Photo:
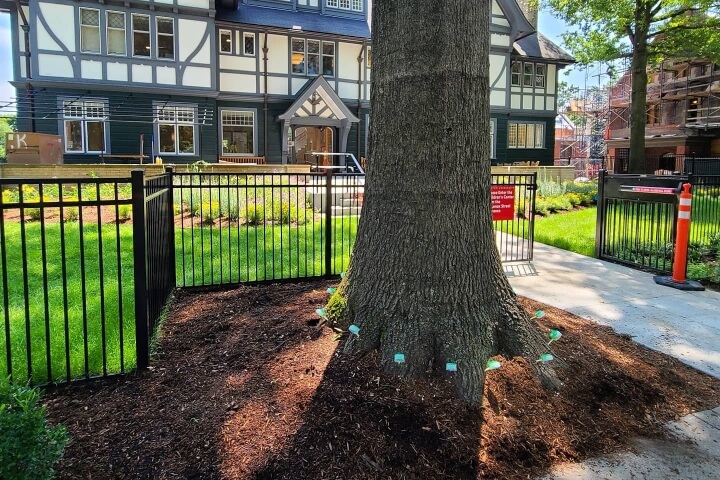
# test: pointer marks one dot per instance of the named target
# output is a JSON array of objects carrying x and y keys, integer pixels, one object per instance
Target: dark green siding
[
  {"x": 131, "y": 115},
  {"x": 503, "y": 154}
]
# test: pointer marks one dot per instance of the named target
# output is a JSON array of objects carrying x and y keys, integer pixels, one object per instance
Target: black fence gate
[{"x": 637, "y": 217}]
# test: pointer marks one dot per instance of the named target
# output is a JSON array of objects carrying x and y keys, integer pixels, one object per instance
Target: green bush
[
  {"x": 254, "y": 213},
  {"x": 124, "y": 212},
  {"x": 29, "y": 447},
  {"x": 702, "y": 272}
]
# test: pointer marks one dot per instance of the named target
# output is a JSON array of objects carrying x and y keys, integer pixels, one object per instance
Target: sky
[{"x": 549, "y": 26}]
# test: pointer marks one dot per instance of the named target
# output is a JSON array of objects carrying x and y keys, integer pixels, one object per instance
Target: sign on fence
[{"x": 503, "y": 202}]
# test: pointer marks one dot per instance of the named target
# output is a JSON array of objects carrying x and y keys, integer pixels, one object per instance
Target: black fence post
[
  {"x": 600, "y": 223},
  {"x": 531, "y": 231},
  {"x": 172, "y": 264},
  {"x": 328, "y": 222},
  {"x": 142, "y": 337}
]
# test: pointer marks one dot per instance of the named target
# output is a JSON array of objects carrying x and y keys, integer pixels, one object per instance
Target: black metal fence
[
  {"x": 515, "y": 237},
  {"x": 667, "y": 164},
  {"x": 88, "y": 265},
  {"x": 67, "y": 279},
  {"x": 637, "y": 217}
]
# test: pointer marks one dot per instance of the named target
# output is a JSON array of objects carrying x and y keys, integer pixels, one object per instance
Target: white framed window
[
  {"x": 83, "y": 126},
  {"x": 515, "y": 72},
  {"x": 312, "y": 57},
  {"x": 165, "y": 38},
  {"x": 528, "y": 74},
  {"x": 238, "y": 132},
  {"x": 141, "y": 35},
  {"x": 175, "y": 129},
  {"x": 355, "y": 5},
  {"x": 526, "y": 135},
  {"x": 89, "y": 30},
  {"x": 249, "y": 44},
  {"x": 225, "y": 40},
  {"x": 311, "y": 3},
  {"x": 115, "y": 26},
  {"x": 492, "y": 138},
  {"x": 540, "y": 75}
]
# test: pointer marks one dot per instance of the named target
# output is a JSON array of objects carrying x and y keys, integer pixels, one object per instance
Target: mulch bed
[{"x": 242, "y": 387}]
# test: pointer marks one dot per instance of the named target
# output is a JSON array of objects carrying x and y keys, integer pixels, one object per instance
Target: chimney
[{"x": 530, "y": 9}]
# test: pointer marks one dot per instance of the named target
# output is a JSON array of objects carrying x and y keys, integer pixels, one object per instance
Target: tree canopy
[{"x": 648, "y": 31}]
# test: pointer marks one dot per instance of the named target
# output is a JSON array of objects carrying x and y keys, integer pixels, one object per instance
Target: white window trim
[
  {"x": 251, "y": 35},
  {"x": 525, "y": 147},
  {"x": 220, "y": 37},
  {"x": 337, "y": 5},
  {"x": 157, "y": 106},
  {"x": 83, "y": 121},
  {"x": 254, "y": 127},
  {"x": 157, "y": 39},
  {"x": 368, "y": 57},
  {"x": 132, "y": 34},
  {"x": 519, "y": 74},
  {"x": 90, "y": 52},
  {"x": 107, "y": 31},
  {"x": 543, "y": 76}
]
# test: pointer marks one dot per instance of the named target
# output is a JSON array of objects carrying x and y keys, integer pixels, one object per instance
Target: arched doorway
[{"x": 310, "y": 140}]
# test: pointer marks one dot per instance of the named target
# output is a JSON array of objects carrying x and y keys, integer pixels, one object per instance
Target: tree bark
[
  {"x": 426, "y": 278},
  {"x": 638, "y": 98}
]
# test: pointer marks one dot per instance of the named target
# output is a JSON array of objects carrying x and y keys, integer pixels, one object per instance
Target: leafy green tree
[
  {"x": 7, "y": 124},
  {"x": 647, "y": 31}
]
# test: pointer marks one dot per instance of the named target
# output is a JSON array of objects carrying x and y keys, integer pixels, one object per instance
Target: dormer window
[{"x": 355, "y": 5}]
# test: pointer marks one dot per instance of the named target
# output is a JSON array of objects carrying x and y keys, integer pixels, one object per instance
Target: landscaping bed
[{"x": 242, "y": 387}]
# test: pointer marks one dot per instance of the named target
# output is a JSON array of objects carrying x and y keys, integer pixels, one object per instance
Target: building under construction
[{"x": 682, "y": 111}]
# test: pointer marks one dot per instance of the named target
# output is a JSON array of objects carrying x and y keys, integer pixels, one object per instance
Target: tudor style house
[{"x": 243, "y": 80}]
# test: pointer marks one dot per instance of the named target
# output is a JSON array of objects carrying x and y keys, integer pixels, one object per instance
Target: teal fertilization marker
[
  {"x": 331, "y": 290},
  {"x": 554, "y": 335},
  {"x": 321, "y": 312},
  {"x": 342, "y": 274},
  {"x": 451, "y": 367},
  {"x": 492, "y": 365},
  {"x": 354, "y": 329},
  {"x": 399, "y": 358},
  {"x": 545, "y": 357},
  {"x": 539, "y": 314}
]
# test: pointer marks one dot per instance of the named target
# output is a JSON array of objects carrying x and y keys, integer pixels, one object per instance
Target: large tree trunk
[
  {"x": 426, "y": 278},
  {"x": 638, "y": 98}
]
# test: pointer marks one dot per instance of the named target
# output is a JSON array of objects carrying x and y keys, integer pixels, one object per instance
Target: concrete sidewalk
[{"x": 685, "y": 325}]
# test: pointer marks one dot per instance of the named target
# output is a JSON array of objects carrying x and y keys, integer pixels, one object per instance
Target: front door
[{"x": 309, "y": 140}]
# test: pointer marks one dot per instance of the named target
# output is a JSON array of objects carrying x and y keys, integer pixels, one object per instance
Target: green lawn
[
  {"x": 57, "y": 314},
  {"x": 287, "y": 251},
  {"x": 574, "y": 231}
]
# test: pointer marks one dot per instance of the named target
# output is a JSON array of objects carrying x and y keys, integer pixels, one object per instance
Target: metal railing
[{"x": 515, "y": 238}]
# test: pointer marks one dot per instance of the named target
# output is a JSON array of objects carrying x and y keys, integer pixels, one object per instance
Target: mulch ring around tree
[{"x": 242, "y": 387}]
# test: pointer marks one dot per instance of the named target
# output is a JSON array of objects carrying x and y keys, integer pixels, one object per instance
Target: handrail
[{"x": 357, "y": 164}]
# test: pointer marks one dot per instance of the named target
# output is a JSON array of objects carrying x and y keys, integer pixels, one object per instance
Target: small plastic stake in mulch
[
  {"x": 554, "y": 335},
  {"x": 331, "y": 290},
  {"x": 399, "y": 358},
  {"x": 354, "y": 329},
  {"x": 545, "y": 357},
  {"x": 451, "y": 367},
  {"x": 492, "y": 365}
]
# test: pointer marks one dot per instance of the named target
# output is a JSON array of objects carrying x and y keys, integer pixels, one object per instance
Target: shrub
[
  {"x": 210, "y": 211},
  {"x": 71, "y": 214},
  {"x": 254, "y": 213},
  {"x": 10, "y": 196},
  {"x": 559, "y": 203},
  {"x": 29, "y": 447},
  {"x": 124, "y": 212},
  {"x": 700, "y": 272}
]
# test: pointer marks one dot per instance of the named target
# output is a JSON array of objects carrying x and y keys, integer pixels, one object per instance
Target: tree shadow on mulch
[{"x": 244, "y": 387}]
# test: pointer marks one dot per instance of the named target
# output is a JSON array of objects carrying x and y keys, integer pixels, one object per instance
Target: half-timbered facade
[{"x": 279, "y": 79}]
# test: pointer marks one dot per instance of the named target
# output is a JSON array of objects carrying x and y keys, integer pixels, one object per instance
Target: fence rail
[
  {"x": 88, "y": 265},
  {"x": 636, "y": 224}
]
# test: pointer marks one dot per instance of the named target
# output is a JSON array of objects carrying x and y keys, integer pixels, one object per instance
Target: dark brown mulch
[{"x": 242, "y": 387}]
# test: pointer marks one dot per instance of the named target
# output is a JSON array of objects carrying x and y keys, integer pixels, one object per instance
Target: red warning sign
[{"x": 503, "y": 202}]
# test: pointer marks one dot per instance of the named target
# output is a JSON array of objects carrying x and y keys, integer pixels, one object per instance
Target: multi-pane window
[
  {"x": 238, "y": 132},
  {"x": 89, "y": 30},
  {"x": 356, "y": 5},
  {"x": 526, "y": 135},
  {"x": 313, "y": 57},
  {"x": 165, "y": 38},
  {"x": 528, "y": 74},
  {"x": 515, "y": 71},
  {"x": 116, "y": 33},
  {"x": 141, "y": 35},
  {"x": 249, "y": 44},
  {"x": 311, "y": 3},
  {"x": 84, "y": 126},
  {"x": 539, "y": 75},
  {"x": 176, "y": 129},
  {"x": 226, "y": 41}
]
